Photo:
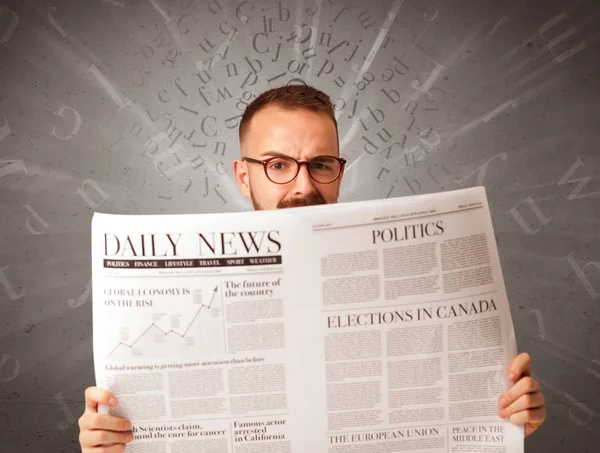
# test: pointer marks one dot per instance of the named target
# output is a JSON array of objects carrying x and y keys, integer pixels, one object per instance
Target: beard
[{"x": 313, "y": 199}]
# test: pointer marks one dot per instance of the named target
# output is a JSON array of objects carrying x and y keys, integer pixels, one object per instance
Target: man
[{"x": 290, "y": 157}]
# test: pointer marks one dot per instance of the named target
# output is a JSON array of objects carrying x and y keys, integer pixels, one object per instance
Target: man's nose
[{"x": 303, "y": 184}]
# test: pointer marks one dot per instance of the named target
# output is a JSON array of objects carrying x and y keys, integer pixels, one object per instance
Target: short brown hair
[{"x": 289, "y": 97}]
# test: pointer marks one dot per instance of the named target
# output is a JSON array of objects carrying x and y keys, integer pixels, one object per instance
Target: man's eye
[
  {"x": 277, "y": 165},
  {"x": 322, "y": 166}
]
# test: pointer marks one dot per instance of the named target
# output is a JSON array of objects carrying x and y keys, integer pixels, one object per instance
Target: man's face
[{"x": 299, "y": 133}]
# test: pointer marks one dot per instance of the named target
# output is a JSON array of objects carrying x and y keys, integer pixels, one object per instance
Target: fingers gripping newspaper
[{"x": 373, "y": 327}]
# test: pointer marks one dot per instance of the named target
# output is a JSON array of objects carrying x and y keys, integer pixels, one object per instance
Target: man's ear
[
  {"x": 339, "y": 181},
  {"x": 240, "y": 170}
]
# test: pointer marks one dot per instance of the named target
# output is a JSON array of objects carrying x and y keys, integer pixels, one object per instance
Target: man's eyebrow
[
  {"x": 273, "y": 154},
  {"x": 280, "y": 154}
]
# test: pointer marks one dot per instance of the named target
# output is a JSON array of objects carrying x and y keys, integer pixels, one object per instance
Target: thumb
[{"x": 95, "y": 396}]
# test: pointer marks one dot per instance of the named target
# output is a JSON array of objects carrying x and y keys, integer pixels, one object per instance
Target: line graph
[{"x": 166, "y": 333}]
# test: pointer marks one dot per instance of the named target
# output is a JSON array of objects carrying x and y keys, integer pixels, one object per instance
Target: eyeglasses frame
[{"x": 265, "y": 162}]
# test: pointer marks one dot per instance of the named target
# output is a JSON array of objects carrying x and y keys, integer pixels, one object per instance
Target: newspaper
[{"x": 376, "y": 326}]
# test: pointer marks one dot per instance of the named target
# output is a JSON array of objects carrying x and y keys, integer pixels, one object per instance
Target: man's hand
[
  {"x": 102, "y": 432},
  {"x": 523, "y": 403}
]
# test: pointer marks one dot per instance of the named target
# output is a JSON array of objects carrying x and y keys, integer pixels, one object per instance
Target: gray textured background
[{"x": 102, "y": 104}]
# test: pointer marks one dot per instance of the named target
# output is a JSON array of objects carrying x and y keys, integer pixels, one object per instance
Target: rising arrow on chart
[{"x": 182, "y": 335}]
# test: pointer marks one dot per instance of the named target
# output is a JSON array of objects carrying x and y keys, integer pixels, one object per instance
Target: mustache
[{"x": 313, "y": 199}]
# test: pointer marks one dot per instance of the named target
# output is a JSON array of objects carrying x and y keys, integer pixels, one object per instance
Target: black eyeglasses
[{"x": 283, "y": 169}]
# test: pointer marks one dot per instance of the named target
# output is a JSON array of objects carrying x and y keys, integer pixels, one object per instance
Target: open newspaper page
[
  {"x": 371, "y": 327},
  {"x": 191, "y": 333},
  {"x": 412, "y": 335}
]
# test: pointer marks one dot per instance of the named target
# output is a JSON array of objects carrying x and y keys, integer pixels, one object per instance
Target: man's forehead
[{"x": 286, "y": 130}]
